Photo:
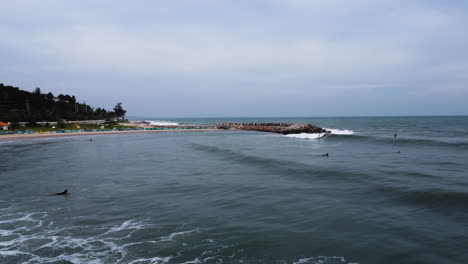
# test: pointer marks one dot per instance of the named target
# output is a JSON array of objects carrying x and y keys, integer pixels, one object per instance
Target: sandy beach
[{"x": 94, "y": 133}]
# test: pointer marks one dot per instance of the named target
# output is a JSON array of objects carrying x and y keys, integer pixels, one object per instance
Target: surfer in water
[
  {"x": 395, "y": 135},
  {"x": 61, "y": 193},
  {"x": 324, "y": 155}
]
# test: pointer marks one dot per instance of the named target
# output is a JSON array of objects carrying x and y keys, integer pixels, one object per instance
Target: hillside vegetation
[{"x": 22, "y": 106}]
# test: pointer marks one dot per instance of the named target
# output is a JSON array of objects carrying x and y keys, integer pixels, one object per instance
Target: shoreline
[{"x": 96, "y": 133}]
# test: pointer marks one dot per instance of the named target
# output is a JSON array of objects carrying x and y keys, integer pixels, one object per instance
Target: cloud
[
  {"x": 307, "y": 46},
  {"x": 190, "y": 49}
]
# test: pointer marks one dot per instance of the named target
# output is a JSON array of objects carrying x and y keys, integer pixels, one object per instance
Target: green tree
[
  {"x": 119, "y": 111},
  {"x": 61, "y": 124},
  {"x": 22, "y": 106},
  {"x": 14, "y": 125},
  {"x": 50, "y": 96}
]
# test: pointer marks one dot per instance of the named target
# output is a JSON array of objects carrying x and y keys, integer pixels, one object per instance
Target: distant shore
[{"x": 95, "y": 133}]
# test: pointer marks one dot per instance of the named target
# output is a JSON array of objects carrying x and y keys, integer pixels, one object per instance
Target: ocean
[{"x": 241, "y": 196}]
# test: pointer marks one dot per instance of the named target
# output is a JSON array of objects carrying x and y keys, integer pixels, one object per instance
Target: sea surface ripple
[{"x": 241, "y": 196}]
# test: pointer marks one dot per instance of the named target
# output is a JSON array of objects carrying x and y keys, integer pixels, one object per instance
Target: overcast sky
[{"x": 242, "y": 58}]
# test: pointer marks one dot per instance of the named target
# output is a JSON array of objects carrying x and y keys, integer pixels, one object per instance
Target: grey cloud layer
[{"x": 312, "y": 48}]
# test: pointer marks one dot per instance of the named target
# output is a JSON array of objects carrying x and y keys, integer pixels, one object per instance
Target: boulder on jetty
[{"x": 281, "y": 128}]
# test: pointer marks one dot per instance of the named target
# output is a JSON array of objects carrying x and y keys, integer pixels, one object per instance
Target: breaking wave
[
  {"x": 161, "y": 123},
  {"x": 33, "y": 238},
  {"x": 333, "y": 131},
  {"x": 307, "y": 136}
]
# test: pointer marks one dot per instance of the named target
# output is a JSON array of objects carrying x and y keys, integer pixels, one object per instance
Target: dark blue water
[{"x": 241, "y": 197}]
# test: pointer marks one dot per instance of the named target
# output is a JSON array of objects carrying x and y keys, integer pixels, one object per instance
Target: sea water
[{"x": 241, "y": 196}]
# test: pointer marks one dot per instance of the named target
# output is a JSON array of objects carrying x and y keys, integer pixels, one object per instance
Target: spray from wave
[
  {"x": 307, "y": 136},
  {"x": 333, "y": 131},
  {"x": 161, "y": 123}
]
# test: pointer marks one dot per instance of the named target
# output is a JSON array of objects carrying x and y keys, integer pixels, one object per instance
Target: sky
[{"x": 242, "y": 58}]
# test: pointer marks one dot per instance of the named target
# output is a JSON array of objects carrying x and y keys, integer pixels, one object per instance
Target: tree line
[{"x": 22, "y": 106}]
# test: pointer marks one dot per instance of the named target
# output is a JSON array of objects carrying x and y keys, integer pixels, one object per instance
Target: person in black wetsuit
[
  {"x": 62, "y": 193},
  {"x": 325, "y": 155},
  {"x": 395, "y": 135}
]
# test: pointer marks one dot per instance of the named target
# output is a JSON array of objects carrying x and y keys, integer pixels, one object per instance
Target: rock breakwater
[{"x": 281, "y": 128}]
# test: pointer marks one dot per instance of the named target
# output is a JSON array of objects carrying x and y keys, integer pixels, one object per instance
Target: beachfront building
[{"x": 4, "y": 126}]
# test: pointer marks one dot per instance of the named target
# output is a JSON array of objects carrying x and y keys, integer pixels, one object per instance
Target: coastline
[{"x": 95, "y": 133}]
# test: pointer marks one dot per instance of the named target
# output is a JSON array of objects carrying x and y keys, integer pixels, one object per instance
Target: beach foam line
[{"x": 95, "y": 133}]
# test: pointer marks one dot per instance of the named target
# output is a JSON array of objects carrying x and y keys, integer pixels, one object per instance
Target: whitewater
[{"x": 333, "y": 131}]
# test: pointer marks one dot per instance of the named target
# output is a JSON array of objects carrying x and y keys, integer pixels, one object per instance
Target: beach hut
[{"x": 4, "y": 126}]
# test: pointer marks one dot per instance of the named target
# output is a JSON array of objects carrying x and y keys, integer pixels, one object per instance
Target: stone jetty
[{"x": 282, "y": 128}]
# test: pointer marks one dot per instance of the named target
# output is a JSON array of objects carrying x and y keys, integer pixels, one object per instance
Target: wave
[
  {"x": 333, "y": 131},
  {"x": 286, "y": 167},
  {"x": 307, "y": 136},
  {"x": 428, "y": 197},
  {"x": 401, "y": 140},
  {"x": 45, "y": 238},
  {"x": 34, "y": 238},
  {"x": 161, "y": 123},
  {"x": 442, "y": 198},
  {"x": 351, "y": 135},
  {"x": 420, "y": 141}
]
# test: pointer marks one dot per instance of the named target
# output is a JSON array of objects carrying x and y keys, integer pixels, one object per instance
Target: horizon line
[{"x": 142, "y": 117}]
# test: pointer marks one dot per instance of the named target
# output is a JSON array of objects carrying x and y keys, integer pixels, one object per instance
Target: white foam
[
  {"x": 25, "y": 217},
  {"x": 155, "y": 260},
  {"x": 323, "y": 260},
  {"x": 127, "y": 225},
  {"x": 11, "y": 253},
  {"x": 109, "y": 246},
  {"x": 204, "y": 258},
  {"x": 29, "y": 227},
  {"x": 195, "y": 261},
  {"x": 161, "y": 123},
  {"x": 175, "y": 234},
  {"x": 340, "y": 131},
  {"x": 307, "y": 136},
  {"x": 333, "y": 131}
]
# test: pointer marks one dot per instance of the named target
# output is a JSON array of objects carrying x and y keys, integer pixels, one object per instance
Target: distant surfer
[
  {"x": 61, "y": 193},
  {"x": 398, "y": 152},
  {"x": 90, "y": 139},
  {"x": 324, "y": 155},
  {"x": 395, "y": 135}
]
